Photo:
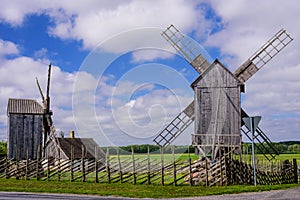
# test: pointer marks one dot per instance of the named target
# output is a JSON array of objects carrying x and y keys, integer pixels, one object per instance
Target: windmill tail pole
[
  {"x": 48, "y": 88},
  {"x": 40, "y": 90}
]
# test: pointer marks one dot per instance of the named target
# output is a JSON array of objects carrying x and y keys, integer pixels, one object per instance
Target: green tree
[{"x": 3, "y": 149}]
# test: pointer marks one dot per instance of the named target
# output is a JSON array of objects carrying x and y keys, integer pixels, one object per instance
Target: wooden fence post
[
  {"x": 120, "y": 167},
  {"x": 162, "y": 165},
  {"x": 96, "y": 165},
  {"x": 17, "y": 164},
  {"x": 295, "y": 170},
  {"x": 148, "y": 167},
  {"x": 206, "y": 173},
  {"x": 190, "y": 168},
  {"x": 82, "y": 164},
  {"x": 133, "y": 166},
  {"x": 107, "y": 165},
  {"x": 221, "y": 170},
  {"x": 38, "y": 163},
  {"x": 58, "y": 167},
  {"x": 26, "y": 168},
  {"x": 48, "y": 165},
  {"x": 71, "y": 164},
  {"x": 6, "y": 166},
  {"x": 174, "y": 167}
]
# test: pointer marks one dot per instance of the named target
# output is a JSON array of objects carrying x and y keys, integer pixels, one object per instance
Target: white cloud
[
  {"x": 95, "y": 21},
  {"x": 8, "y": 48}
]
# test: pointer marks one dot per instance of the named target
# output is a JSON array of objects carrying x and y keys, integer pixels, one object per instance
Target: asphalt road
[{"x": 290, "y": 194}]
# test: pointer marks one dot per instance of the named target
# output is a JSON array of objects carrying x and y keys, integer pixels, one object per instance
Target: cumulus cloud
[{"x": 8, "y": 48}]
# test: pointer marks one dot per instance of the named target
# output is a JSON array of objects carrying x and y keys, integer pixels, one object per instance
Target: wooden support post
[
  {"x": 71, "y": 164},
  {"x": 82, "y": 164},
  {"x": 120, "y": 167},
  {"x": 96, "y": 165},
  {"x": 58, "y": 165},
  {"x": 133, "y": 166},
  {"x": 162, "y": 165},
  {"x": 174, "y": 167},
  {"x": 295, "y": 170},
  {"x": 190, "y": 168},
  {"x": 107, "y": 165},
  {"x": 148, "y": 167}
]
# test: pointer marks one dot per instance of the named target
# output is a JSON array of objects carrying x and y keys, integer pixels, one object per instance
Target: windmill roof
[
  {"x": 24, "y": 106},
  {"x": 210, "y": 68},
  {"x": 88, "y": 143}
]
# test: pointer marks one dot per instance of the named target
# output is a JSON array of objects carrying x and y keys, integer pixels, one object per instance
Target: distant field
[{"x": 185, "y": 156}]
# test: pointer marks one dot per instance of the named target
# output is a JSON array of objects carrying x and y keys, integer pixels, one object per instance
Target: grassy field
[
  {"x": 169, "y": 157},
  {"x": 137, "y": 191}
]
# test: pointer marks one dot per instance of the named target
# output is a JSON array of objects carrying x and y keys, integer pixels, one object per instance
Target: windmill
[
  {"x": 48, "y": 127},
  {"x": 216, "y": 108}
]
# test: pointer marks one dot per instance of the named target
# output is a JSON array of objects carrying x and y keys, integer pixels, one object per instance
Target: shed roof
[
  {"x": 88, "y": 143},
  {"x": 24, "y": 106}
]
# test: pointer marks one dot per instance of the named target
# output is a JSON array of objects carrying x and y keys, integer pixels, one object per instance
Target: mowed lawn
[{"x": 129, "y": 190}]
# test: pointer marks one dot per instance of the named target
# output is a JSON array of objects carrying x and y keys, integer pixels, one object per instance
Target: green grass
[
  {"x": 167, "y": 157},
  {"x": 183, "y": 157},
  {"x": 135, "y": 191},
  {"x": 278, "y": 158}
]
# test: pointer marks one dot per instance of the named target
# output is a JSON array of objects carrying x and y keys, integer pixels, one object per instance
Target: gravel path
[{"x": 290, "y": 194}]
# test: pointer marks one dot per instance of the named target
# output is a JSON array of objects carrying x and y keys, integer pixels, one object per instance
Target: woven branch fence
[{"x": 136, "y": 170}]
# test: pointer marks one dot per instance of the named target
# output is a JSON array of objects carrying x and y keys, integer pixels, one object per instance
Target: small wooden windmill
[
  {"x": 216, "y": 108},
  {"x": 48, "y": 127}
]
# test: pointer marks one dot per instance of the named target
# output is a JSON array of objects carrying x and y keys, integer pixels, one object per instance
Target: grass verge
[{"x": 129, "y": 190}]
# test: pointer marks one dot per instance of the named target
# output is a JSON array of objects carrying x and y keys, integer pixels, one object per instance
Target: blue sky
[{"x": 114, "y": 74}]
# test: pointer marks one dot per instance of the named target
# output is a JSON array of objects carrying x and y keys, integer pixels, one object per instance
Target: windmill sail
[
  {"x": 192, "y": 53},
  {"x": 176, "y": 127},
  {"x": 189, "y": 50},
  {"x": 264, "y": 143},
  {"x": 270, "y": 49}
]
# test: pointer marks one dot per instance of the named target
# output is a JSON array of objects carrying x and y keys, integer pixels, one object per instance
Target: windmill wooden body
[{"x": 216, "y": 108}]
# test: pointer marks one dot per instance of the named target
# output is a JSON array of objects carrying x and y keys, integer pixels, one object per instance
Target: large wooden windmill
[{"x": 216, "y": 108}]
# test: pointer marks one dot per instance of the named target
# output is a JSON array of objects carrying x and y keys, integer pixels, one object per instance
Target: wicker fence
[{"x": 111, "y": 169}]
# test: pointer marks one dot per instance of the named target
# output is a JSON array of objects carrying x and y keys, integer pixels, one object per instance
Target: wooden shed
[
  {"x": 217, "y": 110},
  {"x": 64, "y": 148},
  {"x": 25, "y": 129}
]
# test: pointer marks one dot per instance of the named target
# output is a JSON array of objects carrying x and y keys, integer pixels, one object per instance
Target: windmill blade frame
[
  {"x": 181, "y": 122},
  {"x": 263, "y": 55},
  {"x": 190, "y": 51}
]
